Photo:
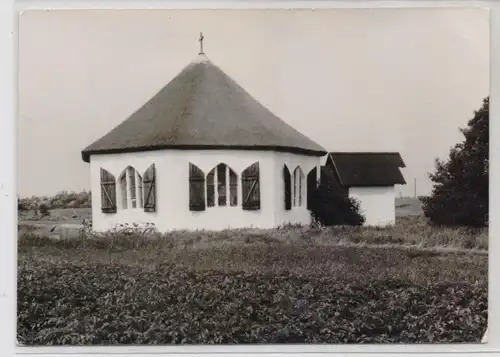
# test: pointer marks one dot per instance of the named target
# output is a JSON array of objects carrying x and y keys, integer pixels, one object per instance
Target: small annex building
[
  {"x": 202, "y": 153},
  {"x": 369, "y": 177}
]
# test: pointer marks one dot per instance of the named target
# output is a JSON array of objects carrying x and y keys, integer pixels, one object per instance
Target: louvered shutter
[
  {"x": 221, "y": 185},
  {"x": 196, "y": 188},
  {"x": 233, "y": 188},
  {"x": 211, "y": 188},
  {"x": 288, "y": 188},
  {"x": 250, "y": 181},
  {"x": 149, "y": 186},
  {"x": 311, "y": 186},
  {"x": 108, "y": 192}
]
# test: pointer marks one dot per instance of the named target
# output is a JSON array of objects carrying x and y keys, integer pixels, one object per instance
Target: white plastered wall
[
  {"x": 296, "y": 215},
  {"x": 377, "y": 204},
  {"x": 172, "y": 189}
]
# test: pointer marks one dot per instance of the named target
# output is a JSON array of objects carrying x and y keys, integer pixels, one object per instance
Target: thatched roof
[
  {"x": 203, "y": 108},
  {"x": 368, "y": 168}
]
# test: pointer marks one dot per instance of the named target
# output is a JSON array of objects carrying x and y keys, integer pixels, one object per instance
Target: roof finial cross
[{"x": 201, "y": 43}]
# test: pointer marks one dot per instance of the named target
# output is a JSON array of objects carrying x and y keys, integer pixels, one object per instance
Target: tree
[
  {"x": 43, "y": 209},
  {"x": 460, "y": 193},
  {"x": 330, "y": 208}
]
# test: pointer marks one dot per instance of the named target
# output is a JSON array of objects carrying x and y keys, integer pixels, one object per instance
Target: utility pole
[{"x": 415, "y": 187}]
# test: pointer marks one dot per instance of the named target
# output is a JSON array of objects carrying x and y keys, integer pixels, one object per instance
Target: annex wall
[{"x": 377, "y": 204}]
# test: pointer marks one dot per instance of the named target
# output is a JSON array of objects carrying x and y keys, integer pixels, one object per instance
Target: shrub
[
  {"x": 43, "y": 209},
  {"x": 330, "y": 208}
]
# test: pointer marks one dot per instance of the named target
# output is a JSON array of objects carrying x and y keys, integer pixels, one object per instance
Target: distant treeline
[{"x": 63, "y": 199}]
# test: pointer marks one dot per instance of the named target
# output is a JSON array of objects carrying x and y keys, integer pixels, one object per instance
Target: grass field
[
  {"x": 408, "y": 206},
  {"x": 409, "y": 283},
  {"x": 62, "y": 215}
]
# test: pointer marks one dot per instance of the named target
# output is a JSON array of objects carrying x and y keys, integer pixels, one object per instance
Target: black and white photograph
[{"x": 264, "y": 176}]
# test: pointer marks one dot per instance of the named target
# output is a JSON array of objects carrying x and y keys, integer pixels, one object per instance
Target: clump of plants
[
  {"x": 43, "y": 210},
  {"x": 329, "y": 205}
]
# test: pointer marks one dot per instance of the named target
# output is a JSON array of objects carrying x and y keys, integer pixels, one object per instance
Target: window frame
[
  {"x": 131, "y": 189},
  {"x": 230, "y": 186},
  {"x": 298, "y": 188}
]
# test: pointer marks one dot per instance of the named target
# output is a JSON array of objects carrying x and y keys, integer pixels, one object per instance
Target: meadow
[{"x": 411, "y": 283}]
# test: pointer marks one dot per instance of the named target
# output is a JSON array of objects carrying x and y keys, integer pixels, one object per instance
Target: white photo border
[{"x": 8, "y": 187}]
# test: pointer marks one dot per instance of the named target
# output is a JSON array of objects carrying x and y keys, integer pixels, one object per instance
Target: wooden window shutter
[
  {"x": 311, "y": 186},
  {"x": 108, "y": 192},
  {"x": 287, "y": 178},
  {"x": 221, "y": 185},
  {"x": 250, "y": 181},
  {"x": 196, "y": 188},
  {"x": 149, "y": 187},
  {"x": 233, "y": 188},
  {"x": 211, "y": 188}
]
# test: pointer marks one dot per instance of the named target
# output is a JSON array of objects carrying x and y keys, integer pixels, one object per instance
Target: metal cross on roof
[{"x": 201, "y": 43}]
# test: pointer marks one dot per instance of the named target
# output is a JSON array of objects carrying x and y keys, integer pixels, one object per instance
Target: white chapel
[{"x": 202, "y": 154}]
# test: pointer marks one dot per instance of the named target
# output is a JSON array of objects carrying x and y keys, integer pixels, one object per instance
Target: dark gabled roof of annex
[{"x": 368, "y": 168}]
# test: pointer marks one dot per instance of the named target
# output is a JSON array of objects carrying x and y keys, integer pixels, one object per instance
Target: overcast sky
[{"x": 352, "y": 80}]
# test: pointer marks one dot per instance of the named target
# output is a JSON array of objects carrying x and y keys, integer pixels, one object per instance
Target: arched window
[
  {"x": 222, "y": 186},
  {"x": 298, "y": 187},
  {"x": 131, "y": 188}
]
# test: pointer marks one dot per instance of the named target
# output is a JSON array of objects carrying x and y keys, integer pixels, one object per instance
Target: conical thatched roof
[{"x": 203, "y": 108}]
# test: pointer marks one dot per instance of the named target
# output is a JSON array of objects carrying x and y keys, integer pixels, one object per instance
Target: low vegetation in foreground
[{"x": 288, "y": 285}]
